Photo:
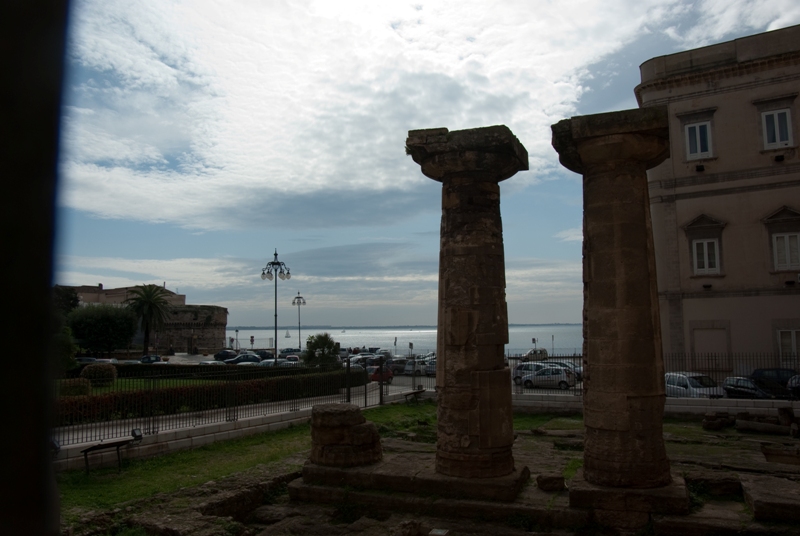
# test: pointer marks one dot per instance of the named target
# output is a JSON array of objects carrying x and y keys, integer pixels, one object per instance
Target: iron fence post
[{"x": 347, "y": 380}]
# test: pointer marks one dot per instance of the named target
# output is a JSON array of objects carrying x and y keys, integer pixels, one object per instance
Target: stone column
[
  {"x": 624, "y": 368},
  {"x": 475, "y": 431}
]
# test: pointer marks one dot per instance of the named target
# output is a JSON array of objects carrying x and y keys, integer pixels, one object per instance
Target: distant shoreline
[{"x": 383, "y": 327}]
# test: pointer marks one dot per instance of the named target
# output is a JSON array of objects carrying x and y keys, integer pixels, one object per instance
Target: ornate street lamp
[
  {"x": 298, "y": 301},
  {"x": 273, "y": 268}
]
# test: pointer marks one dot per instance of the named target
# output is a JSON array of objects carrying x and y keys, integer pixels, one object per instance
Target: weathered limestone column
[
  {"x": 624, "y": 373},
  {"x": 475, "y": 431}
]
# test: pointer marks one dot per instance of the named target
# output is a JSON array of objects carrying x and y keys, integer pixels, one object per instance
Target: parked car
[
  {"x": 271, "y": 362},
  {"x": 222, "y": 355},
  {"x": 112, "y": 360},
  {"x": 574, "y": 367},
  {"x": 777, "y": 375},
  {"x": 215, "y": 362},
  {"x": 692, "y": 385},
  {"x": 740, "y": 387},
  {"x": 356, "y": 369},
  {"x": 243, "y": 358},
  {"x": 396, "y": 365},
  {"x": 526, "y": 368},
  {"x": 293, "y": 358},
  {"x": 289, "y": 351},
  {"x": 265, "y": 354},
  {"x": 535, "y": 354},
  {"x": 415, "y": 367},
  {"x": 377, "y": 374},
  {"x": 86, "y": 359},
  {"x": 562, "y": 378},
  {"x": 355, "y": 359},
  {"x": 794, "y": 386},
  {"x": 430, "y": 368},
  {"x": 150, "y": 359}
]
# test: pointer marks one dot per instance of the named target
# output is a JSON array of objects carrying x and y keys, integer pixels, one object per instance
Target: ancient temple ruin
[
  {"x": 475, "y": 431},
  {"x": 624, "y": 372}
]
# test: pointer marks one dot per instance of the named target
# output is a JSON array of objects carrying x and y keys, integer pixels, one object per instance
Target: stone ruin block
[{"x": 342, "y": 437}]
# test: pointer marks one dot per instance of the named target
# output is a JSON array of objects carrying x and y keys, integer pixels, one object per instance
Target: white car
[
  {"x": 415, "y": 367},
  {"x": 553, "y": 377}
]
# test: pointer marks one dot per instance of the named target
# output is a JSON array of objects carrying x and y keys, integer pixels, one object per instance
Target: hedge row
[{"x": 224, "y": 394}]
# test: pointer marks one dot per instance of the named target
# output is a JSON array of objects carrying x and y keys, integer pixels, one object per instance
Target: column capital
[
  {"x": 489, "y": 153},
  {"x": 639, "y": 136}
]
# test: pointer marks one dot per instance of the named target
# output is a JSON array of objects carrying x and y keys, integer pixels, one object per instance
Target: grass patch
[
  {"x": 530, "y": 421},
  {"x": 572, "y": 467},
  {"x": 398, "y": 420},
  {"x": 105, "y": 488},
  {"x": 564, "y": 423}
]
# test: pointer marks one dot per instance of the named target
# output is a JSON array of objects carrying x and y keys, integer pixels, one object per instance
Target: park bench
[
  {"x": 103, "y": 445},
  {"x": 414, "y": 395}
]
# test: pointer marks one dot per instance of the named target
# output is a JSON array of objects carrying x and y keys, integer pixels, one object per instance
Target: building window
[
  {"x": 706, "y": 257},
  {"x": 698, "y": 140},
  {"x": 777, "y": 125},
  {"x": 786, "y": 248},
  {"x": 788, "y": 342},
  {"x": 783, "y": 226},
  {"x": 704, "y": 241}
]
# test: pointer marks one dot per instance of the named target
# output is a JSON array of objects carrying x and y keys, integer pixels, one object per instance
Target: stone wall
[{"x": 203, "y": 324}]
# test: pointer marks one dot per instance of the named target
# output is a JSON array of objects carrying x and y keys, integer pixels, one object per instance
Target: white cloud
[
  {"x": 570, "y": 235},
  {"x": 215, "y": 101}
]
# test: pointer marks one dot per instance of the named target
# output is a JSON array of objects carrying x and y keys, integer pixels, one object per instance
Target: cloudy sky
[{"x": 200, "y": 136}]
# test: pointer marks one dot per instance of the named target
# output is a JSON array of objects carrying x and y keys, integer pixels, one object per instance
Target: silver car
[
  {"x": 692, "y": 385},
  {"x": 528, "y": 367},
  {"x": 552, "y": 377}
]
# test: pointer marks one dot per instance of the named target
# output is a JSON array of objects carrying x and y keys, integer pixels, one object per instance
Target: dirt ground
[{"x": 257, "y": 503}]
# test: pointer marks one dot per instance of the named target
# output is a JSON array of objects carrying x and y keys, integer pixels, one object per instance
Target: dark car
[
  {"x": 794, "y": 386},
  {"x": 222, "y": 355},
  {"x": 739, "y": 387},
  {"x": 243, "y": 358},
  {"x": 289, "y": 351},
  {"x": 264, "y": 354},
  {"x": 150, "y": 359},
  {"x": 777, "y": 375}
]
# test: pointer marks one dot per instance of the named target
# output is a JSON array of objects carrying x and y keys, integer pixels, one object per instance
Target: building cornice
[{"x": 713, "y": 75}]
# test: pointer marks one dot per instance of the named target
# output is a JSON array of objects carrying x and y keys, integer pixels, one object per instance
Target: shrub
[
  {"x": 75, "y": 387},
  {"x": 101, "y": 374}
]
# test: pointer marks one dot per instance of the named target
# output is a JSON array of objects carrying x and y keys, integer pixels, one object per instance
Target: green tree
[
  {"x": 63, "y": 348},
  {"x": 149, "y": 304},
  {"x": 320, "y": 349},
  {"x": 65, "y": 299},
  {"x": 102, "y": 328}
]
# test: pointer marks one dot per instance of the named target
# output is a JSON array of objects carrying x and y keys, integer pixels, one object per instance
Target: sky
[{"x": 199, "y": 137}]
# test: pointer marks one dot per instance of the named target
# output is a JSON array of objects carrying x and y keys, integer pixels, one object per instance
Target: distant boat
[
  {"x": 287, "y": 334},
  {"x": 342, "y": 331}
]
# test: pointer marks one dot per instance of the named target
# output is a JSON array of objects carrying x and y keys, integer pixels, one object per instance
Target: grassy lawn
[{"x": 105, "y": 488}]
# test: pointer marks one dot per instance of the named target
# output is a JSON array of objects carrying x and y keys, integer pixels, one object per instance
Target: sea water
[{"x": 558, "y": 339}]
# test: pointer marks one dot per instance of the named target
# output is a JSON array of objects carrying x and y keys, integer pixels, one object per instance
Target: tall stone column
[
  {"x": 475, "y": 431},
  {"x": 624, "y": 374}
]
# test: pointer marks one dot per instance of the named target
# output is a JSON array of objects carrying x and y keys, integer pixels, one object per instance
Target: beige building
[
  {"x": 190, "y": 328},
  {"x": 726, "y": 204}
]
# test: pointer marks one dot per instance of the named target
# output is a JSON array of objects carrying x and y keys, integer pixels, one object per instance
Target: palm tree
[{"x": 149, "y": 304}]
